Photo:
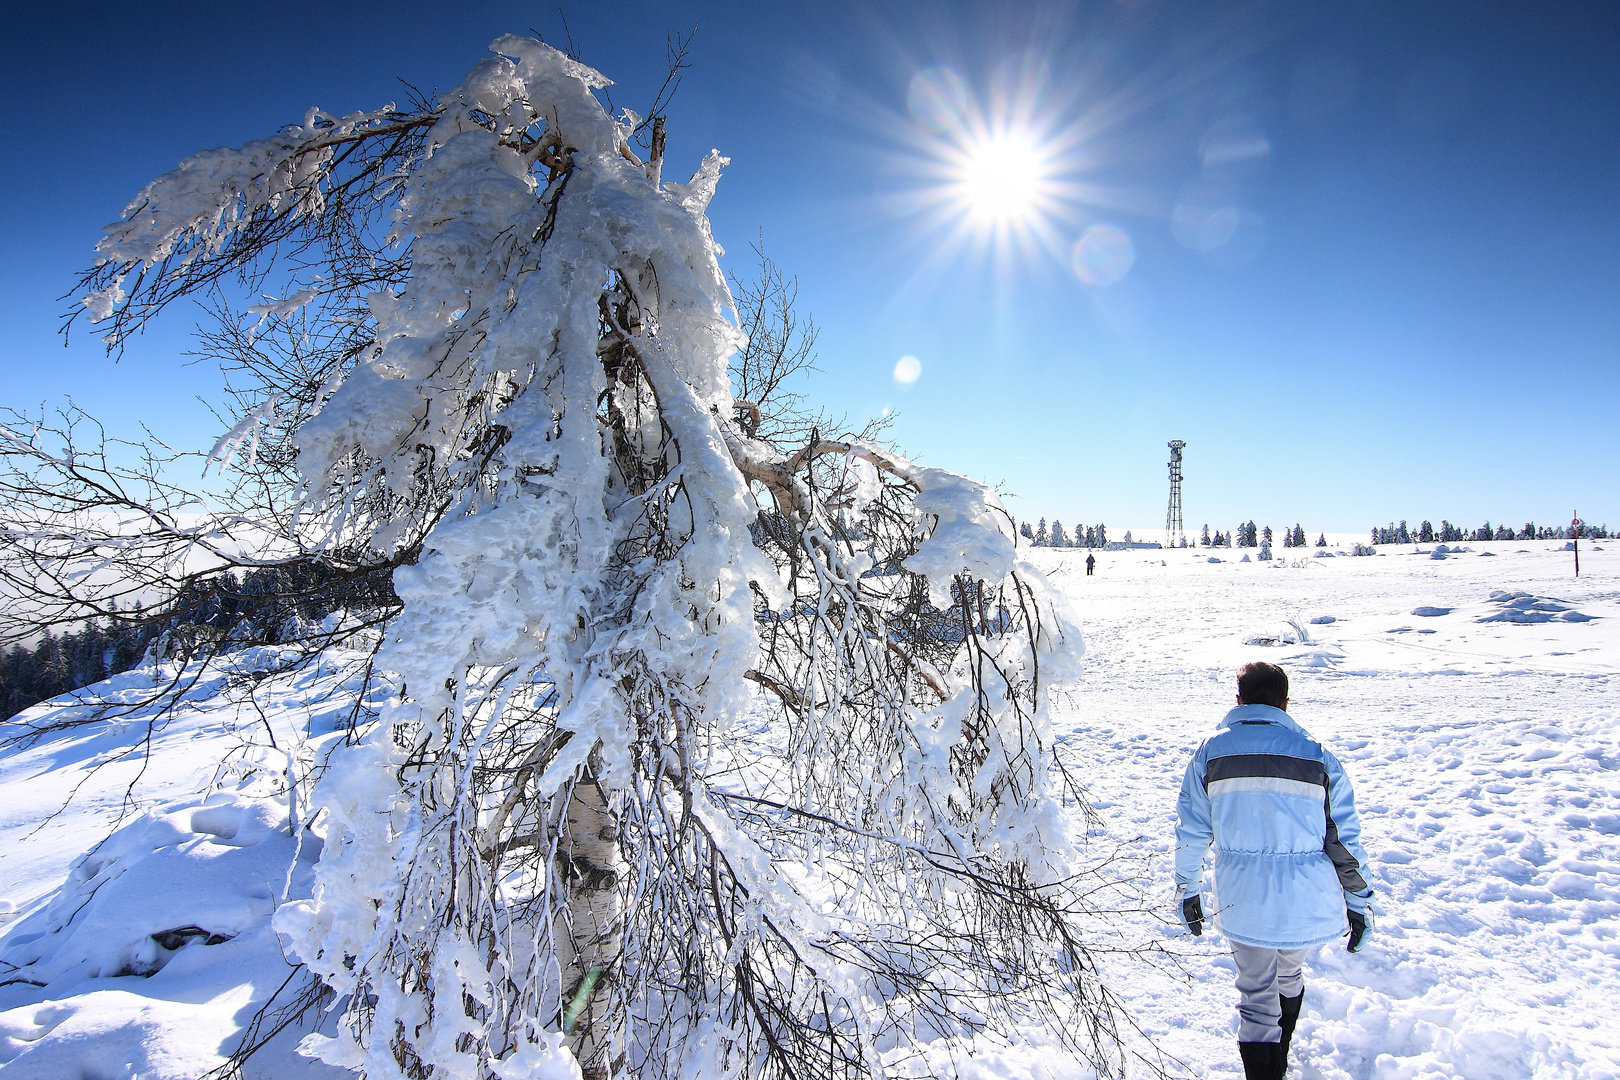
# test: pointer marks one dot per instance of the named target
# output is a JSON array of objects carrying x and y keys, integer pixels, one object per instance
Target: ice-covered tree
[
  {"x": 1059, "y": 538},
  {"x": 1204, "y": 537},
  {"x": 1299, "y": 535},
  {"x": 1321, "y": 539},
  {"x": 503, "y": 379},
  {"x": 1041, "y": 537},
  {"x": 1025, "y": 532}
]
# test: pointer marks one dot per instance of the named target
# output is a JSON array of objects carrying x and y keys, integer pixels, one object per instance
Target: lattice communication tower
[{"x": 1173, "y": 535}]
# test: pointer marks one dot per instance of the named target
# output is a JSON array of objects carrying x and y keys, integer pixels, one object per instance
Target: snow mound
[
  {"x": 1212, "y": 559},
  {"x": 118, "y": 913},
  {"x": 1526, "y": 608},
  {"x": 147, "y": 960},
  {"x": 1427, "y": 611},
  {"x": 1323, "y": 620}
]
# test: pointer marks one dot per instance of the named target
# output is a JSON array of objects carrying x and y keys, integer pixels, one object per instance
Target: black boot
[
  {"x": 1290, "y": 1017},
  {"x": 1261, "y": 1061}
]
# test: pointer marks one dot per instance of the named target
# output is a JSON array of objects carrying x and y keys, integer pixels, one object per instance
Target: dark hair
[{"x": 1261, "y": 683}]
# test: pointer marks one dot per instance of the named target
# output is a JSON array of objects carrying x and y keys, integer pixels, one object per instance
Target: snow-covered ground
[
  {"x": 1481, "y": 736},
  {"x": 1469, "y": 698},
  {"x": 143, "y": 955}
]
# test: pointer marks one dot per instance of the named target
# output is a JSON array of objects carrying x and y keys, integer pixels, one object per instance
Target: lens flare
[
  {"x": 907, "y": 370},
  {"x": 937, "y": 99},
  {"x": 1203, "y": 226},
  {"x": 1103, "y": 255}
]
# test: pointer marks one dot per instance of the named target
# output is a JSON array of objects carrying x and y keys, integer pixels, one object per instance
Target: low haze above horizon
[{"x": 1362, "y": 259}]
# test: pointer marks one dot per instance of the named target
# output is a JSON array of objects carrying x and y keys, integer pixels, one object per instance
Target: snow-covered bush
[{"x": 553, "y": 841}]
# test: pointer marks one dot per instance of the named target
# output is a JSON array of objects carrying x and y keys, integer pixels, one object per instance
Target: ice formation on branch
[{"x": 544, "y": 854}]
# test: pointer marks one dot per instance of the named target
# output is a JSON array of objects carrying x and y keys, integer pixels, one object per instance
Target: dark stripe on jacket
[
  {"x": 1278, "y": 765},
  {"x": 1345, "y": 863}
]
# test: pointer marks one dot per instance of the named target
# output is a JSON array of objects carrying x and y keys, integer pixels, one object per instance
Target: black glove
[
  {"x": 1192, "y": 913},
  {"x": 1358, "y": 929}
]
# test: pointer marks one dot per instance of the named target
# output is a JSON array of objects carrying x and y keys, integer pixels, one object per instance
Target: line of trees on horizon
[
  {"x": 1248, "y": 535},
  {"x": 1084, "y": 536},
  {"x": 1448, "y": 533}
]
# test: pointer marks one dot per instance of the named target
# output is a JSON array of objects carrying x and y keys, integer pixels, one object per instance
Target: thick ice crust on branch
[{"x": 198, "y": 208}]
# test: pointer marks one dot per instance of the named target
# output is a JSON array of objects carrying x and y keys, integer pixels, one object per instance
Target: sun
[
  {"x": 1002, "y": 179},
  {"x": 998, "y": 174}
]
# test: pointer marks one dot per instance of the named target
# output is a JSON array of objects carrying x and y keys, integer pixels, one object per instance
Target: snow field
[{"x": 1483, "y": 751}]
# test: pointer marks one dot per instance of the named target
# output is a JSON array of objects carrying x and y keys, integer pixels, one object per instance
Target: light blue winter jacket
[{"x": 1282, "y": 817}]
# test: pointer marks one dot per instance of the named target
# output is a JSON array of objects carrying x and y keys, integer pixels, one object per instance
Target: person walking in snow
[
  {"x": 1290, "y": 872},
  {"x": 1091, "y": 563}
]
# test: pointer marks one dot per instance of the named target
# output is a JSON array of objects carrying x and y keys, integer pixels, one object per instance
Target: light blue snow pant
[{"x": 1263, "y": 975}]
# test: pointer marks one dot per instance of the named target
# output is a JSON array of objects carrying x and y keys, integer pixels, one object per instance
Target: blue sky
[{"x": 1375, "y": 266}]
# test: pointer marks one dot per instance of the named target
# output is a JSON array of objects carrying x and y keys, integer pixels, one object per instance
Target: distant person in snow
[
  {"x": 1290, "y": 873},
  {"x": 1091, "y": 564}
]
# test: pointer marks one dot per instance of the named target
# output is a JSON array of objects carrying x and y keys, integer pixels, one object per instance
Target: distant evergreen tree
[
  {"x": 1091, "y": 536},
  {"x": 1059, "y": 538},
  {"x": 1265, "y": 547},
  {"x": 1425, "y": 533},
  {"x": 1265, "y": 536},
  {"x": 1321, "y": 539},
  {"x": 1102, "y": 536},
  {"x": 1040, "y": 534},
  {"x": 1299, "y": 535},
  {"x": 1204, "y": 539},
  {"x": 1024, "y": 531}
]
